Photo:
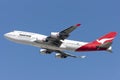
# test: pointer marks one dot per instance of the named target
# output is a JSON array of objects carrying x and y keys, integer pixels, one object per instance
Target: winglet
[{"x": 77, "y": 25}]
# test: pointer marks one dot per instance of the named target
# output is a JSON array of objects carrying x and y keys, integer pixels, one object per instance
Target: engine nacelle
[
  {"x": 45, "y": 51},
  {"x": 59, "y": 35},
  {"x": 58, "y": 55},
  {"x": 55, "y": 34}
]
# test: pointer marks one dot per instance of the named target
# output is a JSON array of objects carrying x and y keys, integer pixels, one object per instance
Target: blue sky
[{"x": 22, "y": 62}]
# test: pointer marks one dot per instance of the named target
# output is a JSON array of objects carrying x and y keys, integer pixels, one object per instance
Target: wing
[
  {"x": 61, "y": 36},
  {"x": 65, "y": 33},
  {"x": 61, "y": 54}
]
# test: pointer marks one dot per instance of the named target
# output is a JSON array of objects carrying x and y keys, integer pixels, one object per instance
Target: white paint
[
  {"x": 26, "y": 39},
  {"x": 104, "y": 40}
]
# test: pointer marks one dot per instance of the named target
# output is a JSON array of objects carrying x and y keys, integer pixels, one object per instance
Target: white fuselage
[{"x": 30, "y": 38}]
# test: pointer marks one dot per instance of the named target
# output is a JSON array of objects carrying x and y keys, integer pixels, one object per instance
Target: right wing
[{"x": 61, "y": 54}]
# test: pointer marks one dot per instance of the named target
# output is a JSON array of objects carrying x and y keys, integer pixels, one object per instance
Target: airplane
[{"x": 57, "y": 42}]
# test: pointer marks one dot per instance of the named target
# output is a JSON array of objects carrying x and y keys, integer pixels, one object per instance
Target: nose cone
[
  {"x": 6, "y": 35},
  {"x": 10, "y": 36}
]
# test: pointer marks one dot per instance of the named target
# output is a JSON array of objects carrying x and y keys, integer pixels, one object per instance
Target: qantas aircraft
[{"x": 58, "y": 43}]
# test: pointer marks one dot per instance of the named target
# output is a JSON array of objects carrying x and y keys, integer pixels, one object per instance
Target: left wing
[
  {"x": 65, "y": 33},
  {"x": 55, "y": 38}
]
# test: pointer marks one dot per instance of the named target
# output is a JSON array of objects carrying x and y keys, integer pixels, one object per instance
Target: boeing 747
[{"x": 57, "y": 42}]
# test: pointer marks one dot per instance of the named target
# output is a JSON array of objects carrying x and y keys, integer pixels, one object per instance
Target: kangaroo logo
[{"x": 104, "y": 40}]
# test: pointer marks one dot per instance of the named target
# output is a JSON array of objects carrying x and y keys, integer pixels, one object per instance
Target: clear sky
[{"x": 23, "y": 62}]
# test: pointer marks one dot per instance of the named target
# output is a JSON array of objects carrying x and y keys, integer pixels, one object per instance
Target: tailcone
[{"x": 110, "y": 49}]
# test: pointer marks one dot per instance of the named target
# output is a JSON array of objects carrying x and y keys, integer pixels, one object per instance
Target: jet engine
[
  {"x": 57, "y": 35},
  {"x": 58, "y": 55},
  {"x": 54, "y": 34},
  {"x": 45, "y": 51}
]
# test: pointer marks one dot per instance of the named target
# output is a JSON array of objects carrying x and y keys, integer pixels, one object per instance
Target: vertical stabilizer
[
  {"x": 107, "y": 38},
  {"x": 102, "y": 43}
]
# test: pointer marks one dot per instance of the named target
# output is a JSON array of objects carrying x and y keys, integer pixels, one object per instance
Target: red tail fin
[
  {"x": 102, "y": 43},
  {"x": 107, "y": 38}
]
